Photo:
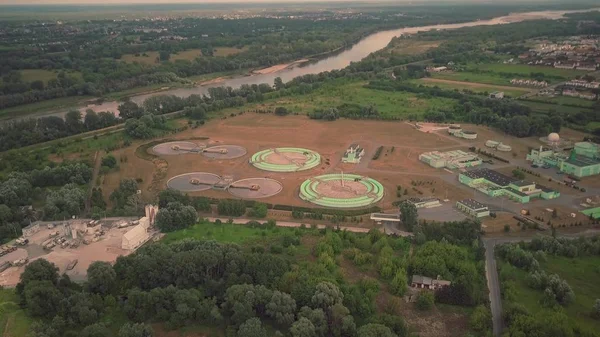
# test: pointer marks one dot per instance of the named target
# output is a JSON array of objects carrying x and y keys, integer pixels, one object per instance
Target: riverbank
[{"x": 279, "y": 67}]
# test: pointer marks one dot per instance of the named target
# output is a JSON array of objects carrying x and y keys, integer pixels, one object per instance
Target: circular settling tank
[
  {"x": 341, "y": 190},
  {"x": 255, "y": 188},
  {"x": 174, "y": 148},
  {"x": 193, "y": 182},
  {"x": 224, "y": 151},
  {"x": 285, "y": 159}
]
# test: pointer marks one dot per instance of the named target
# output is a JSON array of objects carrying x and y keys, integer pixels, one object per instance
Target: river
[{"x": 357, "y": 52}]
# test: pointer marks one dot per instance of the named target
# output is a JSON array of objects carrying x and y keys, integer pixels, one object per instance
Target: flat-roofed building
[
  {"x": 450, "y": 159},
  {"x": 473, "y": 208}
]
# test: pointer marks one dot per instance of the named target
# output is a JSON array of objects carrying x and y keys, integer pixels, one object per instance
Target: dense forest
[{"x": 260, "y": 290}]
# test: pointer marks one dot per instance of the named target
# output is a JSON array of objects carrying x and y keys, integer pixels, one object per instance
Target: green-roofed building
[{"x": 580, "y": 165}]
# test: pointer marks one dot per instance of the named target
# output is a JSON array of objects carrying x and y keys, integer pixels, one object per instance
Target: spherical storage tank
[{"x": 554, "y": 137}]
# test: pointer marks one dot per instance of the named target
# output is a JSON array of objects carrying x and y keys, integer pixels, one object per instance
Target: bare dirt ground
[{"x": 257, "y": 132}]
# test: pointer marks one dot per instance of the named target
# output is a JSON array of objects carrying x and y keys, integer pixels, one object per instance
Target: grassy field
[
  {"x": 465, "y": 76},
  {"x": 150, "y": 59},
  {"x": 30, "y": 75},
  {"x": 562, "y": 100},
  {"x": 525, "y": 70},
  {"x": 13, "y": 320},
  {"x": 545, "y": 107},
  {"x": 226, "y": 51},
  {"x": 581, "y": 273},
  {"x": 389, "y": 104},
  {"x": 227, "y": 233},
  {"x": 188, "y": 55},
  {"x": 479, "y": 88}
]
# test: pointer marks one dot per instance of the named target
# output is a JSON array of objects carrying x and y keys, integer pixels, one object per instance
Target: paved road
[{"x": 242, "y": 221}]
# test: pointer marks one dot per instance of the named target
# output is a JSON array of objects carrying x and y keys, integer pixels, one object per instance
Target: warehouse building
[
  {"x": 451, "y": 159},
  {"x": 473, "y": 208},
  {"x": 496, "y": 184}
]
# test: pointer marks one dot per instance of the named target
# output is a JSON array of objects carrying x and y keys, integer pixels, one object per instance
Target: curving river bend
[{"x": 357, "y": 52}]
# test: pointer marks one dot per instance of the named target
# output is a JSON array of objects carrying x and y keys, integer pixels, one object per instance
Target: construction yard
[{"x": 97, "y": 241}]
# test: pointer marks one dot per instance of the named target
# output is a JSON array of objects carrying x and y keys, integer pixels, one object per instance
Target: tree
[
  {"x": 91, "y": 121},
  {"x": 375, "y": 330},
  {"x": 164, "y": 55},
  {"x": 278, "y": 84},
  {"x": 95, "y": 330},
  {"x": 518, "y": 174},
  {"x": 38, "y": 270},
  {"x": 281, "y": 111},
  {"x": 282, "y": 308},
  {"x": 42, "y": 298},
  {"x": 481, "y": 320},
  {"x": 303, "y": 328},
  {"x": 37, "y": 85},
  {"x": 102, "y": 278},
  {"x": 73, "y": 121},
  {"x": 519, "y": 126},
  {"x": 252, "y": 328},
  {"x": 399, "y": 284},
  {"x": 409, "y": 215},
  {"x": 425, "y": 300},
  {"x": 596, "y": 311},
  {"x": 129, "y": 110},
  {"x": 260, "y": 210},
  {"x": 136, "y": 330},
  {"x": 109, "y": 161},
  {"x": 326, "y": 295},
  {"x": 176, "y": 216}
]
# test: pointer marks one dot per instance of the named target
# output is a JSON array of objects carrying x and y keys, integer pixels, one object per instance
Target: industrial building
[
  {"x": 473, "y": 208},
  {"x": 496, "y": 184},
  {"x": 451, "y": 159},
  {"x": 428, "y": 202},
  {"x": 353, "y": 154},
  {"x": 139, "y": 234},
  {"x": 583, "y": 161}
]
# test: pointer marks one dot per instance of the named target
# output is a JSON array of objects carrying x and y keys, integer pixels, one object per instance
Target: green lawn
[
  {"x": 13, "y": 320},
  {"x": 581, "y": 273},
  {"x": 226, "y": 233}
]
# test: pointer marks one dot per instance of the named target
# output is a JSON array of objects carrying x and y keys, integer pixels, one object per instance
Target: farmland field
[
  {"x": 475, "y": 87},
  {"x": 30, "y": 75}
]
